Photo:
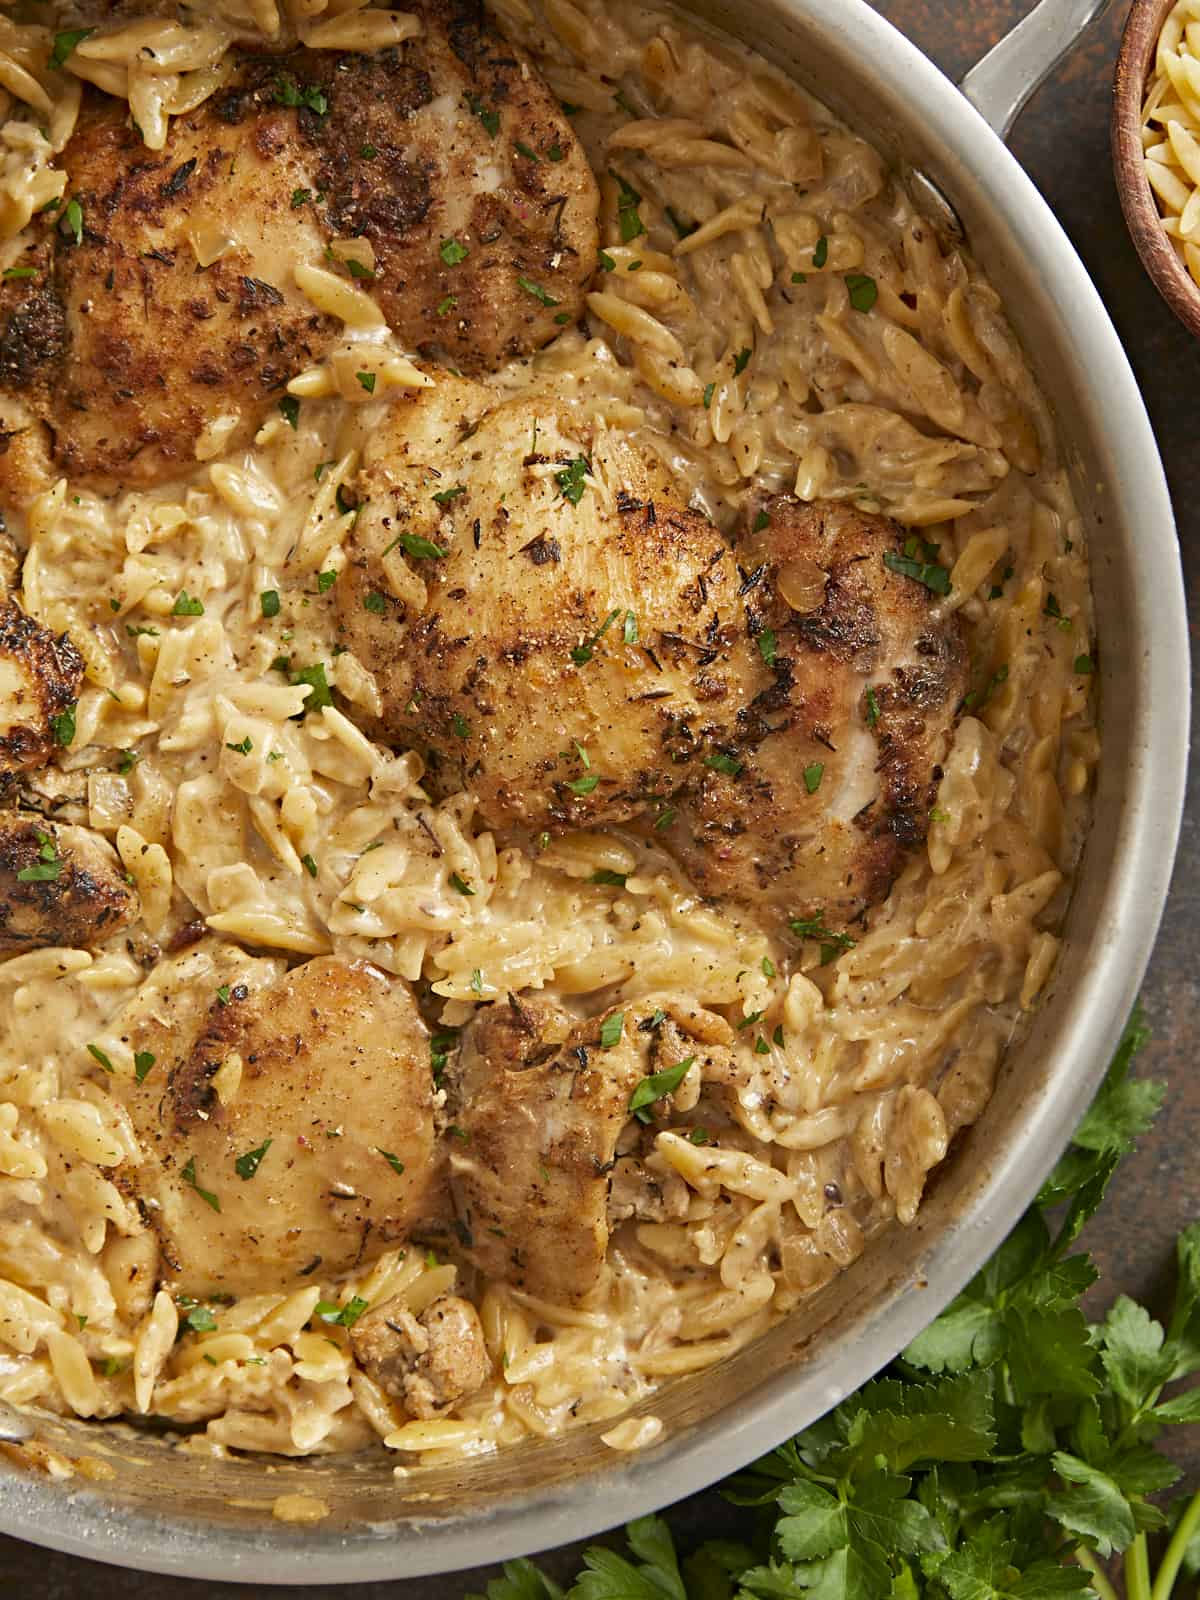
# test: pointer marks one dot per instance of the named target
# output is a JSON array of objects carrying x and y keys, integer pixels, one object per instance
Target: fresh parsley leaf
[
  {"x": 71, "y": 224},
  {"x": 720, "y": 762},
  {"x": 247, "y": 1165},
  {"x": 536, "y": 290},
  {"x": 489, "y": 118},
  {"x": 65, "y": 43},
  {"x": 821, "y": 252},
  {"x": 289, "y": 410},
  {"x": 269, "y": 601},
  {"x": 929, "y": 573},
  {"x": 656, "y": 1087},
  {"x": 444, "y": 496},
  {"x": 767, "y": 646},
  {"x": 863, "y": 291},
  {"x": 143, "y": 1060},
  {"x": 813, "y": 773},
  {"x": 341, "y": 1316},
  {"x": 629, "y": 222},
  {"x": 185, "y": 606},
  {"x": 62, "y": 726},
  {"x": 318, "y": 683},
  {"x": 188, "y": 1174},
  {"x": 611, "y": 1030},
  {"x": 452, "y": 252},
  {"x": 570, "y": 479},
  {"x": 460, "y": 883}
]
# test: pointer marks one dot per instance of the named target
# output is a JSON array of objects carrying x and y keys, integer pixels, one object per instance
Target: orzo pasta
[{"x": 770, "y": 326}]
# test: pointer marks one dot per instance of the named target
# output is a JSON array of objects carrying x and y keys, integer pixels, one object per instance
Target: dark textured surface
[{"x": 1062, "y": 139}]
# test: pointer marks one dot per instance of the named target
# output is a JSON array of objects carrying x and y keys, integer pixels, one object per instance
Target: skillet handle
[{"x": 999, "y": 85}]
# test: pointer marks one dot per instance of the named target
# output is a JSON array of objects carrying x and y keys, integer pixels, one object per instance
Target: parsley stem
[
  {"x": 1168, "y": 1567},
  {"x": 1137, "y": 1570},
  {"x": 1095, "y": 1571}
]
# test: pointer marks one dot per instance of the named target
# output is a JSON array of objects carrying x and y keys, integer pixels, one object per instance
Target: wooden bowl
[{"x": 1134, "y": 67}]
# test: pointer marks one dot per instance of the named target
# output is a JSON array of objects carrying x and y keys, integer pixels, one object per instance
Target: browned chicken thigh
[
  {"x": 540, "y": 1102},
  {"x": 40, "y": 675},
  {"x": 164, "y": 299},
  {"x": 286, "y": 1121},
  {"x": 836, "y": 783},
  {"x": 542, "y": 615},
  {"x": 59, "y": 885}
]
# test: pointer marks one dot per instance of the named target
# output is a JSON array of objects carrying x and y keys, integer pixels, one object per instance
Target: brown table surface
[{"x": 1062, "y": 140}]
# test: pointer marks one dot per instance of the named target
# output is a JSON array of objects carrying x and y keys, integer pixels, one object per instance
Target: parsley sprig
[{"x": 1008, "y": 1454}]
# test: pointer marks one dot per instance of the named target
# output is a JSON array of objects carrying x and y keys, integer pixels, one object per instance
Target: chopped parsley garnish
[
  {"x": 681, "y": 227},
  {"x": 583, "y": 785},
  {"x": 300, "y": 197},
  {"x": 863, "y": 291},
  {"x": 581, "y": 654},
  {"x": 420, "y": 549},
  {"x": 97, "y": 1054},
  {"x": 367, "y": 380},
  {"x": 393, "y": 1161},
  {"x": 185, "y": 606},
  {"x": 457, "y": 881},
  {"x": 314, "y": 677},
  {"x": 555, "y": 153},
  {"x": 978, "y": 698},
  {"x": 341, "y": 1316},
  {"x": 611, "y": 1030},
  {"x": 911, "y": 565},
  {"x": 246, "y": 1166},
  {"x": 289, "y": 410},
  {"x": 665, "y": 821},
  {"x": 821, "y": 253},
  {"x": 657, "y": 1087},
  {"x": 440, "y": 1047},
  {"x": 20, "y": 272},
  {"x": 446, "y": 306},
  {"x": 143, "y": 1060},
  {"x": 358, "y": 269},
  {"x": 199, "y": 1318},
  {"x": 128, "y": 760},
  {"x": 189, "y": 1177},
  {"x": 72, "y": 221},
  {"x": 269, "y": 601},
  {"x": 524, "y": 150},
  {"x": 832, "y": 944},
  {"x": 65, "y": 43},
  {"x": 444, "y": 496},
  {"x": 62, "y": 726},
  {"x": 699, "y": 1136},
  {"x": 243, "y": 748},
  {"x": 813, "y": 774},
  {"x": 766, "y": 646},
  {"x": 136, "y": 632},
  {"x": 326, "y": 581},
  {"x": 536, "y": 290},
  {"x": 629, "y": 628},
  {"x": 709, "y": 389},
  {"x": 768, "y": 967},
  {"x": 872, "y": 708},
  {"x": 605, "y": 875},
  {"x": 307, "y": 95},
  {"x": 741, "y": 361},
  {"x": 761, "y": 521},
  {"x": 1084, "y": 664},
  {"x": 489, "y": 118},
  {"x": 723, "y": 763},
  {"x": 309, "y": 865},
  {"x": 938, "y": 815},
  {"x": 628, "y": 200},
  {"x": 375, "y": 602},
  {"x": 570, "y": 479},
  {"x": 750, "y": 1019},
  {"x": 368, "y": 152},
  {"x": 606, "y": 261},
  {"x": 476, "y": 981},
  {"x": 799, "y": 277},
  {"x": 460, "y": 726}
]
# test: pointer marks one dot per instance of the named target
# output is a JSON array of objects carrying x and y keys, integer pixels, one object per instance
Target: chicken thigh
[
  {"x": 543, "y": 617},
  {"x": 59, "y": 885},
  {"x": 163, "y": 299},
  {"x": 40, "y": 675},
  {"x": 837, "y": 779},
  {"x": 286, "y": 1121}
]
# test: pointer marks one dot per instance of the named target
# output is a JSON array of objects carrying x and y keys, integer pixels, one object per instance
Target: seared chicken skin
[
  {"x": 447, "y": 155},
  {"x": 59, "y": 885},
  {"x": 287, "y": 1121},
  {"x": 540, "y": 1103},
  {"x": 837, "y": 780},
  {"x": 542, "y": 617},
  {"x": 428, "y": 1360},
  {"x": 40, "y": 674}
]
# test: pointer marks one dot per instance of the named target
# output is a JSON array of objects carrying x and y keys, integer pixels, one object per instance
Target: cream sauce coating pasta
[{"x": 769, "y": 312}]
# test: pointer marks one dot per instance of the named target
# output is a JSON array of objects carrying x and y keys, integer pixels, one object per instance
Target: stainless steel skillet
[{"x": 166, "y": 1512}]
